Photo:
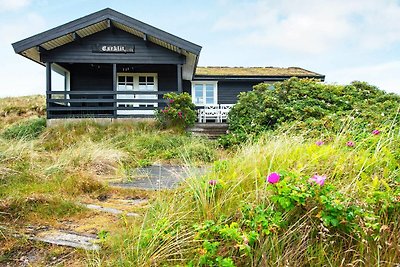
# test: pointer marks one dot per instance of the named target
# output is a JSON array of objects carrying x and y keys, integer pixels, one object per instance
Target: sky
[{"x": 345, "y": 40}]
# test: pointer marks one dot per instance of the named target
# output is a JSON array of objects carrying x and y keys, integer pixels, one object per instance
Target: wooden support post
[
  {"x": 179, "y": 77},
  {"x": 115, "y": 89},
  {"x": 48, "y": 87}
]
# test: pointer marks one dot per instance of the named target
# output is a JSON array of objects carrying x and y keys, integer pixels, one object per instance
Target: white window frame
[{"x": 204, "y": 83}]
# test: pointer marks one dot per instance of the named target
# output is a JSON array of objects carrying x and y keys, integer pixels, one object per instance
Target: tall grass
[
  {"x": 53, "y": 167},
  {"x": 207, "y": 225}
]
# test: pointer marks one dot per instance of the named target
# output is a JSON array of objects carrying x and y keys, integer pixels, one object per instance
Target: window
[{"x": 204, "y": 93}]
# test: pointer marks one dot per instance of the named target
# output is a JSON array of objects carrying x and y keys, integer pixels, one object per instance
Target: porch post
[
  {"x": 48, "y": 87},
  {"x": 179, "y": 77},
  {"x": 115, "y": 90}
]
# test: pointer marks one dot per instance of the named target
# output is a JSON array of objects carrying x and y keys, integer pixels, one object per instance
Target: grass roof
[{"x": 253, "y": 71}]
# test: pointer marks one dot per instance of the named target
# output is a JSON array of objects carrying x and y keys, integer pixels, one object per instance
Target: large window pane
[
  {"x": 209, "y": 94},
  {"x": 198, "y": 94}
]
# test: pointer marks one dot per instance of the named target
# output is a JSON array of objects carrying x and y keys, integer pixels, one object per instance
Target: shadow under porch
[{"x": 110, "y": 90}]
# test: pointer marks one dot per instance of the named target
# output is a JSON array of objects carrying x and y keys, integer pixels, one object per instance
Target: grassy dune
[
  {"x": 230, "y": 217},
  {"x": 46, "y": 172}
]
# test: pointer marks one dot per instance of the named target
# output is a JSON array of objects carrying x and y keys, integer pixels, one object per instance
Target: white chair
[
  {"x": 224, "y": 110},
  {"x": 200, "y": 115},
  {"x": 211, "y": 112}
]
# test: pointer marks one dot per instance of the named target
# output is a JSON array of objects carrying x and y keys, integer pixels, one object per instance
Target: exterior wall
[
  {"x": 227, "y": 90},
  {"x": 99, "y": 77},
  {"x": 81, "y": 51},
  {"x": 85, "y": 77}
]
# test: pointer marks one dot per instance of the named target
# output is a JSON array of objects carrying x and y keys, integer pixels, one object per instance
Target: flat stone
[
  {"x": 110, "y": 210},
  {"x": 137, "y": 201},
  {"x": 158, "y": 177},
  {"x": 68, "y": 239}
]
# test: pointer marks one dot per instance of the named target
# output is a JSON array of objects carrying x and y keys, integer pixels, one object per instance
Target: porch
[{"x": 110, "y": 90}]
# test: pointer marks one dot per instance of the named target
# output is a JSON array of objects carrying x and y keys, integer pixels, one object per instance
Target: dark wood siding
[
  {"x": 227, "y": 90},
  {"x": 98, "y": 77},
  {"x": 81, "y": 51},
  {"x": 86, "y": 77}
]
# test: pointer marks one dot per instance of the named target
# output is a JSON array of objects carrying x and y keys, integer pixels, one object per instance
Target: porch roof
[{"x": 80, "y": 28}]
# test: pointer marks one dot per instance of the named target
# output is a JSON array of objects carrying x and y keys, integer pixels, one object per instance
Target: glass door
[{"x": 137, "y": 82}]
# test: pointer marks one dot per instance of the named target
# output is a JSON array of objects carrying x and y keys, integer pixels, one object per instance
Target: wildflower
[
  {"x": 273, "y": 178},
  {"x": 171, "y": 101},
  {"x": 212, "y": 182},
  {"x": 319, "y": 143},
  {"x": 318, "y": 179},
  {"x": 376, "y": 132},
  {"x": 350, "y": 143},
  {"x": 180, "y": 114}
]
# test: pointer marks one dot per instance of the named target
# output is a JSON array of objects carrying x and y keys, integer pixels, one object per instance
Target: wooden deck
[{"x": 210, "y": 130}]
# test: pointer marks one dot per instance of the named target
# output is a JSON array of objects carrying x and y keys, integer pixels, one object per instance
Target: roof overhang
[{"x": 32, "y": 47}]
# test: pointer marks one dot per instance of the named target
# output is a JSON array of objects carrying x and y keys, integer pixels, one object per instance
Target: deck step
[{"x": 210, "y": 130}]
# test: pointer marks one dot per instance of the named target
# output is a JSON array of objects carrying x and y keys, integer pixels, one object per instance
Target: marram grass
[{"x": 233, "y": 217}]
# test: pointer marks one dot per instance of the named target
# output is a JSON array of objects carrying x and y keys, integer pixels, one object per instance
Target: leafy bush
[
  {"x": 180, "y": 111},
  {"x": 309, "y": 104},
  {"x": 28, "y": 129}
]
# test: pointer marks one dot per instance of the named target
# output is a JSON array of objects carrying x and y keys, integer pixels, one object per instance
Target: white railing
[{"x": 218, "y": 113}]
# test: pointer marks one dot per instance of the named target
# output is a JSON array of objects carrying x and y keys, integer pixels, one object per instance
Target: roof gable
[
  {"x": 80, "y": 28},
  {"x": 144, "y": 52},
  {"x": 99, "y": 21}
]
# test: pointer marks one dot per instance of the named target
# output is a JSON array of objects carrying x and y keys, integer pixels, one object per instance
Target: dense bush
[
  {"x": 28, "y": 129},
  {"x": 180, "y": 111},
  {"x": 310, "y": 105}
]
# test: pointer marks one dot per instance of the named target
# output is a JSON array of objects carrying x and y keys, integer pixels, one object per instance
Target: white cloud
[
  {"x": 384, "y": 75},
  {"x": 313, "y": 26},
  {"x": 6, "y": 5}
]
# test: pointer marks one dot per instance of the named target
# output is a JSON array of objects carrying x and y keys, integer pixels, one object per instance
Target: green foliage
[
  {"x": 239, "y": 219},
  {"x": 28, "y": 129},
  {"x": 304, "y": 105},
  {"x": 180, "y": 111}
]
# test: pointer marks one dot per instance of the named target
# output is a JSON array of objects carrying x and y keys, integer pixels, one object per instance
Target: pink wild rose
[
  {"x": 318, "y": 179},
  {"x": 171, "y": 101},
  {"x": 319, "y": 143},
  {"x": 212, "y": 182},
  {"x": 273, "y": 178},
  {"x": 180, "y": 114},
  {"x": 350, "y": 143},
  {"x": 376, "y": 132}
]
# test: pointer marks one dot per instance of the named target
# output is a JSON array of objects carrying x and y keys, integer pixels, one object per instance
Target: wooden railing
[{"x": 103, "y": 104}]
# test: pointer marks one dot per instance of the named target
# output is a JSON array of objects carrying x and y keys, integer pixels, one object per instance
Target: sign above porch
[{"x": 112, "y": 48}]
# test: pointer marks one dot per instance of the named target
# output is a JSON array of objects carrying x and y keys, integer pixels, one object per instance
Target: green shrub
[
  {"x": 180, "y": 111},
  {"x": 28, "y": 129},
  {"x": 304, "y": 104}
]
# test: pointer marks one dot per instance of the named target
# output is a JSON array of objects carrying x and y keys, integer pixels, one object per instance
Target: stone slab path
[
  {"x": 69, "y": 239},
  {"x": 110, "y": 210},
  {"x": 158, "y": 177}
]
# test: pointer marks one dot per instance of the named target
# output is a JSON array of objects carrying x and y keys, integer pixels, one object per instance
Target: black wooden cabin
[{"x": 114, "y": 66}]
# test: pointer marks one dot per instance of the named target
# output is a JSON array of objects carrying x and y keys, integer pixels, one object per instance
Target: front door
[{"x": 144, "y": 82}]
